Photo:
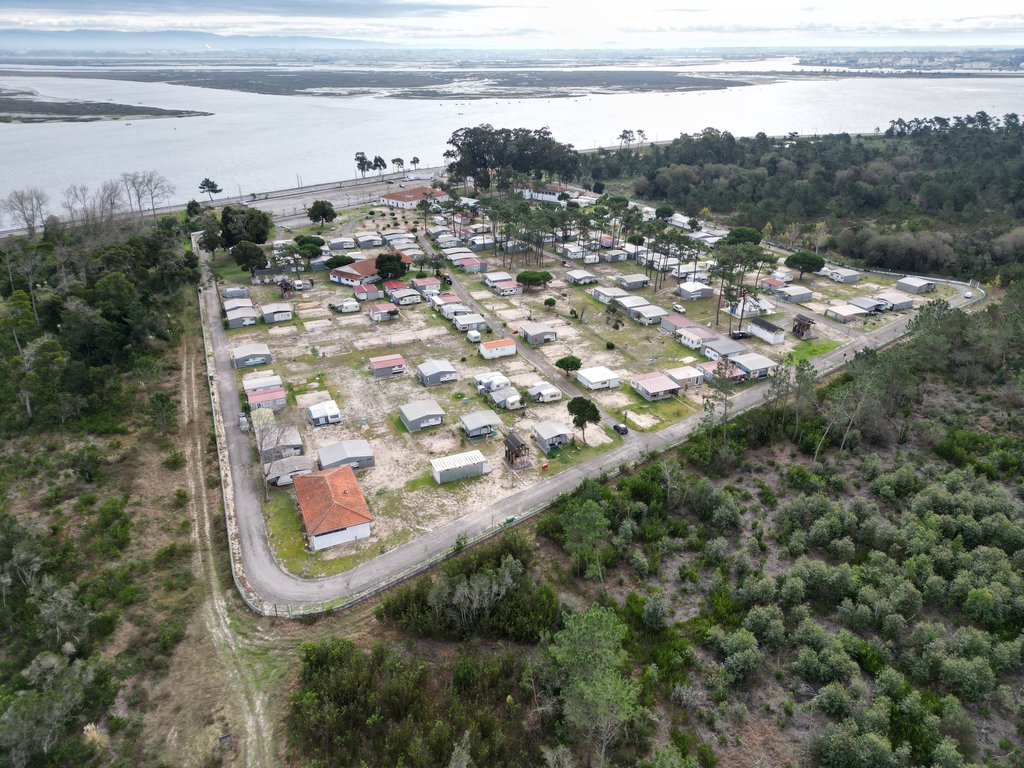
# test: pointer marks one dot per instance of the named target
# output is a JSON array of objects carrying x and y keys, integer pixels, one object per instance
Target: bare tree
[
  {"x": 270, "y": 435},
  {"x": 133, "y": 189},
  {"x": 26, "y": 207},
  {"x": 96, "y": 212},
  {"x": 156, "y": 187},
  {"x": 75, "y": 198}
]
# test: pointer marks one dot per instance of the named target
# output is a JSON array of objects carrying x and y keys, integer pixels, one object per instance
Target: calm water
[{"x": 254, "y": 142}]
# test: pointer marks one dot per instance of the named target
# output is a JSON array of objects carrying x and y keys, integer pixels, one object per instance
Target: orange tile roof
[
  {"x": 416, "y": 193},
  {"x": 498, "y": 343},
  {"x": 331, "y": 500}
]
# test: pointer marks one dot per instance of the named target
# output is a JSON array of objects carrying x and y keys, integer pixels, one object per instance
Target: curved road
[{"x": 280, "y": 590}]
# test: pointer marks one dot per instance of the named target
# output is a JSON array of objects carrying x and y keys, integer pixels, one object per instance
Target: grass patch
[
  {"x": 286, "y": 535},
  {"x": 807, "y": 350},
  {"x": 667, "y": 411},
  {"x": 575, "y": 453},
  {"x": 398, "y": 425},
  {"x": 418, "y": 483}
]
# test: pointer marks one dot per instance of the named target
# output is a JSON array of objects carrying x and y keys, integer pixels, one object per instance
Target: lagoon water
[{"x": 254, "y": 142}]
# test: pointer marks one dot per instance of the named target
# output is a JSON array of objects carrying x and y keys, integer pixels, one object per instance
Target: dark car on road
[
  {"x": 622, "y": 429},
  {"x": 739, "y": 334}
]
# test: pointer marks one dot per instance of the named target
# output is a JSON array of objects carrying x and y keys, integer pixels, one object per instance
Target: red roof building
[{"x": 333, "y": 507}]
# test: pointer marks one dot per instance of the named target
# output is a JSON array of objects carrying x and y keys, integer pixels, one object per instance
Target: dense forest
[
  {"x": 91, "y": 320},
  {"x": 929, "y": 195},
  {"x": 835, "y": 579}
]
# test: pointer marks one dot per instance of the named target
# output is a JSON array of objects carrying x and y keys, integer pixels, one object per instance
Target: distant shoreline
[{"x": 27, "y": 107}]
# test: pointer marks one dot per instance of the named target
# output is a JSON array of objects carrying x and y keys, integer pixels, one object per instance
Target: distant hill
[{"x": 15, "y": 41}]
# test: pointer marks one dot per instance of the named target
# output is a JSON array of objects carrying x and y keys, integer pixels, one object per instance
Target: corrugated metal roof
[{"x": 457, "y": 461}]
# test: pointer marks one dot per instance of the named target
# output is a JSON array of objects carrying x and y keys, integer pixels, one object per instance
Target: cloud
[{"x": 349, "y": 9}]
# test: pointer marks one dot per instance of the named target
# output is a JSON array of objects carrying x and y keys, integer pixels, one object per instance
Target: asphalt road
[
  {"x": 275, "y": 586},
  {"x": 288, "y": 207}
]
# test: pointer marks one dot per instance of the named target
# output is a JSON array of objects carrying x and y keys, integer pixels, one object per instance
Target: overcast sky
[{"x": 553, "y": 24}]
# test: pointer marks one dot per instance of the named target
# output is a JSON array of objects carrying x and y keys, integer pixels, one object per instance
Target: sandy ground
[
  {"x": 339, "y": 346},
  {"x": 396, "y": 488}
]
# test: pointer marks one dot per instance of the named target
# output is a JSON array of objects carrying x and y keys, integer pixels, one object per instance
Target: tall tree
[
  {"x": 805, "y": 261},
  {"x": 321, "y": 211},
  {"x": 379, "y": 164},
  {"x": 249, "y": 256},
  {"x": 583, "y": 412},
  {"x": 398, "y": 163},
  {"x": 598, "y": 700},
  {"x": 415, "y": 162},
  {"x": 586, "y": 528},
  {"x": 390, "y": 266},
  {"x": 210, "y": 187},
  {"x": 363, "y": 163}
]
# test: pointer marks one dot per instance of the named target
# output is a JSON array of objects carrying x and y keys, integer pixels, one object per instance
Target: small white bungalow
[
  {"x": 654, "y": 386},
  {"x": 597, "y": 377},
  {"x": 489, "y": 350}
]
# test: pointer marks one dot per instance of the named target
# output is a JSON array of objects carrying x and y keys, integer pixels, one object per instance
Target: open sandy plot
[
  {"x": 307, "y": 399},
  {"x": 517, "y": 313},
  {"x": 313, "y": 312},
  {"x": 527, "y": 380},
  {"x": 594, "y": 437},
  {"x": 396, "y": 336},
  {"x": 642, "y": 420},
  {"x": 318, "y": 325},
  {"x": 612, "y": 398},
  {"x": 305, "y": 306},
  {"x": 283, "y": 330},
  {"x": 815, "y": 306},
  {"x": 481, "y": 295}
]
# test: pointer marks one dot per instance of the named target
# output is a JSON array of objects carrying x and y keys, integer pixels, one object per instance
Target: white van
[{"x": 473, "y": 336}]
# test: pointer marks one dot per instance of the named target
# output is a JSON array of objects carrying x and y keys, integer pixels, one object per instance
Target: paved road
[
  {"x": 276, "y": 586},
  {"x": 288, "y": 207}
]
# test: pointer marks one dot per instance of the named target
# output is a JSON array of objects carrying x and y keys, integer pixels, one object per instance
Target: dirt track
[{"x": 255, "y": 750}]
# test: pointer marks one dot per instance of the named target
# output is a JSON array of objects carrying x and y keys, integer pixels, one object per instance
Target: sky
[{"x": 553, "y": 24}]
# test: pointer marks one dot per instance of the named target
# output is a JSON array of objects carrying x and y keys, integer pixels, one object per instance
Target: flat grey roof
[
  {"x": 420, "y": 409},
  {"x": 546, "y": 430},
  {"x": 345, "y": 449},
  {"x": 725, "y": 346},
  {"x": 527, "y": 326},
  {"x": 289, "y": 464},
  {"x": 480, "y": 419},
  {"x": 430, "y": 367},
  {"x": 753, "y": 361},
  {"x": 244, "y": 350}
]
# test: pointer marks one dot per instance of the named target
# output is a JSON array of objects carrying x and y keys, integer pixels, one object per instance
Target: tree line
[{"x": 930, "y": 195}]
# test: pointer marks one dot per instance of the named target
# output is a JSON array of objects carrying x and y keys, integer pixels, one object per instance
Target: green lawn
[
  {"x": 667, "y": 411},
  {"x": 807, "y": 350},
  {"x": 286, "y": 536},
  {"x": 575, "y": 453}
]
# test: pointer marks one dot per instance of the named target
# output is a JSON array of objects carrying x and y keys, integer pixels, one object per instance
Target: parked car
[
  {"x": 739, "y": 334},
  {"x": 622, "y": 429},
  {"x": 679, "y": 308},
  {"x": 968, "y": 294}
]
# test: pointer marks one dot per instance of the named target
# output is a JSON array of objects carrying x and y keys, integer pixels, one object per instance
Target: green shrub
[{"x": 174, "y": 461}]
